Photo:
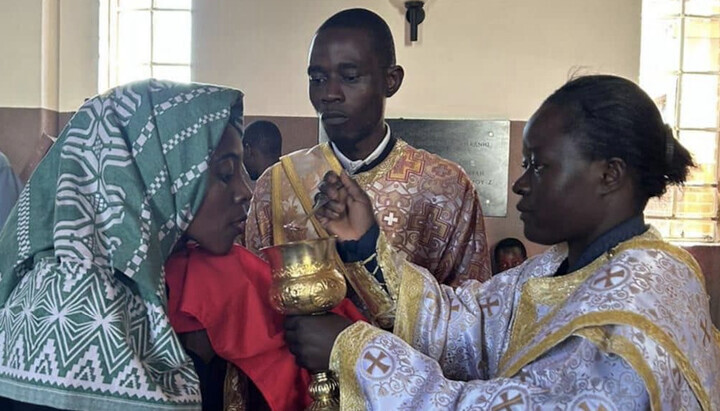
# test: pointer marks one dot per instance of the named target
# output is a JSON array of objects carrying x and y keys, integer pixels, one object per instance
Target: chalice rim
[{"x": 294, "y": 243}]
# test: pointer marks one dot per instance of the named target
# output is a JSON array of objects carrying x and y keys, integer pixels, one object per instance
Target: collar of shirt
[
  {"x": 616, "y": 235},
  {"x": 353, "y": 166}
]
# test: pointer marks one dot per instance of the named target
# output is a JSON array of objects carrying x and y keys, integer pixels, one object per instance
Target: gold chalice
[{"x": 305, "y": 282}]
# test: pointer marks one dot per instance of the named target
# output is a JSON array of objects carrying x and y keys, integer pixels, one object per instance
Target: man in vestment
[
  {"x": 610, "y": 318},
  {"x": 426, "y": 206}
]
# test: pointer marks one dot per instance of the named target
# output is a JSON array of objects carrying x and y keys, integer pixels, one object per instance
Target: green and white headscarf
[{"x": 83, "y": 320}]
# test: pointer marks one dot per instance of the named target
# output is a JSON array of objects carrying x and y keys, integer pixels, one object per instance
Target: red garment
[{"x": 228, "y": 297}]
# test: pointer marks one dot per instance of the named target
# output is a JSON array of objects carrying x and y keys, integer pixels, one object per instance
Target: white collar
[{"x": 353, "y": 166}]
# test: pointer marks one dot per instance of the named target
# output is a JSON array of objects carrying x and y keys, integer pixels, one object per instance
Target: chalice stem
[{"x": 325, "y": 392}]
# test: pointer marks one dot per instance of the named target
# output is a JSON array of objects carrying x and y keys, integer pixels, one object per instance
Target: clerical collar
[
  {"x": 353, "y": 167},
  {"x": 616, "y": 235}
]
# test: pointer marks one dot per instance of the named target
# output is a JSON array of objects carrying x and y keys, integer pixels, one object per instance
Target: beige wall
[
  {"x": 475, "y": 59},
  {"x": 20, "y": 65},
  {"x": 49, "y": 52},
  {"x": 78, "y": 65},
  {"x": 48, "y": 65}
]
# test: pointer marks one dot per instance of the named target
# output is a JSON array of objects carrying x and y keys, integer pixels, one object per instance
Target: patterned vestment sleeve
[
  {"x": 443, "y": 323},
  {"x": 258, "y": 229},
  {"x": 469, "y": 243},
  {"x": 379, "y": 371},
  {"x": 435, "y": 360},
  {"x": 447, "y": 342}
]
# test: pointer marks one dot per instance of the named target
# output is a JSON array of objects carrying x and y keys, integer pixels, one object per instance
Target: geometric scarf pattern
[{"x": 83, "y": 317}]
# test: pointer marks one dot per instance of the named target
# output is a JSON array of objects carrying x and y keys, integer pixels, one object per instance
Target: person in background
[
  {"x": 262, "y": 143},
  {"x": 508, "y": 253},
  {"x": 611, "y": 317},
  {"x": 10, "y": 187}
]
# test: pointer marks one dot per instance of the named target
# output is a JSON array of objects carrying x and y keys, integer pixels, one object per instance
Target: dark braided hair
[{"x": 610, "y": 116}]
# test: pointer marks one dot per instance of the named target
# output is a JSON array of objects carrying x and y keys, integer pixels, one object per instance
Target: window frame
[
  {"x": 680, "y": 75},
  {"x": 108, "y": 66}
]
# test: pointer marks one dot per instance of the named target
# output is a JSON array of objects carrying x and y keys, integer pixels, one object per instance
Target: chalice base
[{"x": 325, "y": 392}]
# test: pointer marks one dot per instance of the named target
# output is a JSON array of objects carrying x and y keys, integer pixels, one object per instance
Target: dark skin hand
[
  {"x": 310, "y": 338},
  {"x": 348, "y": 214}
]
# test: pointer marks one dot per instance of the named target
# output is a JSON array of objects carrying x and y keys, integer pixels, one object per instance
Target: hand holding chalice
[{"x": 305, "y": 281}]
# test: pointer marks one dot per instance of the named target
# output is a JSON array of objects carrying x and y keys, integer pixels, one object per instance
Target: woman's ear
[
  {"x": 614, "y": 175},
  {"x": 393, "y": 79}
]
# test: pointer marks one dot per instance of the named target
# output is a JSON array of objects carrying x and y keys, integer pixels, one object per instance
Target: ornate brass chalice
[{"x": 305, "y": 282}]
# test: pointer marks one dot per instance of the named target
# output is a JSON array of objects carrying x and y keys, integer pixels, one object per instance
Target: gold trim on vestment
[
  {"x": 302, "y": 194},
  {"x": 409, "y": 302},
  {"x": 388, "y": 265},
  {"x": 631, "y": 319},
  {"x": 380, "y": 306},
  {"x": 276, "y": 206},
  {"x": 680, "y": 254},
  {"x": 331, "y": 159},
  {"x": 367, "y": 177},
  {"x": 344, "y": 357},
  {"x": 621, "y": 346},
  {"x": 356, "y": 272},
  {"x": 551, "y": 291},
  {"x": 555, "y": 291},
  {"x": 235, "y": 389}
]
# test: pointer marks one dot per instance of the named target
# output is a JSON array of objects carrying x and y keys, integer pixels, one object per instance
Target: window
[
  {"x": 144, "y": 38},
  {"x": 680, "y": 69}
]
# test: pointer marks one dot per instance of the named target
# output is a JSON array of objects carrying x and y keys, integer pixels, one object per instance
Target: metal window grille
[
  {"x": 144, "y": 38},
  {"x": 680, "y": 69}
]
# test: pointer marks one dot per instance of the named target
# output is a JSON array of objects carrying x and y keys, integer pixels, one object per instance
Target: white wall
[
  {"x": 475, "y": 58},
  {"x": 78, "y": 66},
  {"x": 20, "y": 48},
  {"x": 49, "y": 53}
]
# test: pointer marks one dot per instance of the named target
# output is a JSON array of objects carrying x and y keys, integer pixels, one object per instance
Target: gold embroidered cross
[
  {"x": 489, "y": 305},
  {"x": 609, "y": 278},
  {"x": 507, "y": 402},
  {"x": 430, "y": 224},
  {"x": 376, "y": 362}
]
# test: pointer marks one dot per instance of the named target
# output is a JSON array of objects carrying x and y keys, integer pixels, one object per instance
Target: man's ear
[
  {"x": 614, "y": 175},
  {"x": 394, "y": 79}
]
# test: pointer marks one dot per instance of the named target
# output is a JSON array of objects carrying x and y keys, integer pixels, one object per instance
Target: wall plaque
[{"x": 481, "y": 147}]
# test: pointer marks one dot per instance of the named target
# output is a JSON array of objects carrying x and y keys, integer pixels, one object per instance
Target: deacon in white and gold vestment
[{"x": 630, "y": 330}]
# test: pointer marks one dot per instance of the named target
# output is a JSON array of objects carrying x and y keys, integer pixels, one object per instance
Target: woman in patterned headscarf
[{"x": 83, "y": 321}]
